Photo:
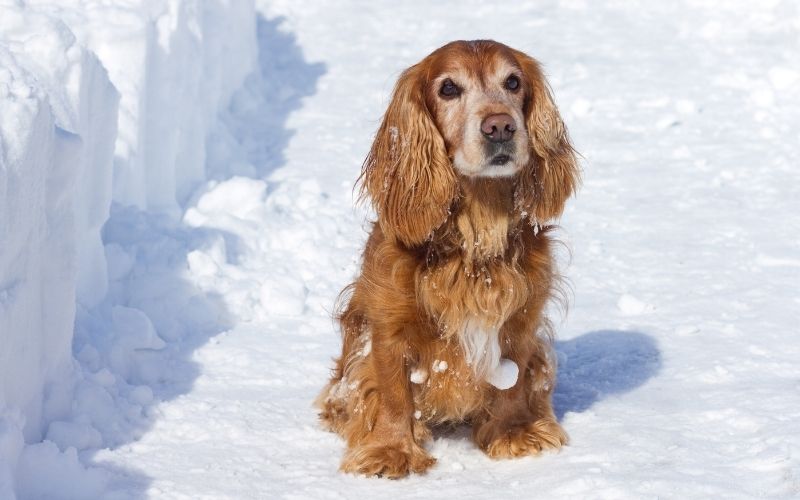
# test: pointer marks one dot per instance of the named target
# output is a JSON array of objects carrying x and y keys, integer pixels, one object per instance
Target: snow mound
[
  {"x": 504, "y": 375},
  {"x": 98, "y": 102}
]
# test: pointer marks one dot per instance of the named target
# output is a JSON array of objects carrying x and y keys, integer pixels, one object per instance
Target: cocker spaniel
[{"x": 445, "y": 323}]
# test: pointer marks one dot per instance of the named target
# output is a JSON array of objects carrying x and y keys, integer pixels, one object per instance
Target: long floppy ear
[
  {"x": 407, "y": 173},
  {"x": 553, "y": 174}
]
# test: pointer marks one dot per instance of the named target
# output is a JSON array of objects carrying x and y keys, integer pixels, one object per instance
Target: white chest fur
[{"x": 481, "y": 347}]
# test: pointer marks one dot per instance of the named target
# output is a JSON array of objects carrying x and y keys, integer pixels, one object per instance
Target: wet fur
[{"x": 449, "y": 253}]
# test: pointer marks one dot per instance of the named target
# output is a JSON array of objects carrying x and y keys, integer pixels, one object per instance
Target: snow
[
  {"x": 419, "y": 375},
  {"x": 66, "y": 476},
  {"x": 631, "y": 306},
  {"x": 177, "y": 219},
  {"x": 504, "y": 375},
  {"x": 71, "y": 115},
  {"x": 439, "y": 366},
  {"x": 57, "y": 99}
]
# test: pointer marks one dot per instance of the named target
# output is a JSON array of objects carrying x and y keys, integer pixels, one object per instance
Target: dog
[{"x": 445, "y": 323}]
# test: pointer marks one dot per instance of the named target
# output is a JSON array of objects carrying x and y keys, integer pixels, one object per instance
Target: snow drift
[{"x": 97, "y": 103}]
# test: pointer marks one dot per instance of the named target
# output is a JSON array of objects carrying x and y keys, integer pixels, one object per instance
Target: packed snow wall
[{"x": 98, "y": 103}]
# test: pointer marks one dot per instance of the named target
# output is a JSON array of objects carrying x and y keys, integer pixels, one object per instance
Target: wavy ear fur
[
  {"x": 553, "y": 175},
  {"x": 407, "y": 173}
]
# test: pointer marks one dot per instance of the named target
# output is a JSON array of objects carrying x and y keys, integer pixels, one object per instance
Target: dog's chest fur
[
  {"x": 469, "y": 295},
  {"x": 469, "y": 311}
]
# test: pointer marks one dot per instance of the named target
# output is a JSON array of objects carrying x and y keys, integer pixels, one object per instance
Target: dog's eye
[
  {"x": 449, "y": 89},
  {"x": 512, "y": 83}
]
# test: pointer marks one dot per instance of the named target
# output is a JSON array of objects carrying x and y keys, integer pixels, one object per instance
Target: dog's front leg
[
  {"x": 520, "y": 420},
  {"x": 386, "y": 445}
]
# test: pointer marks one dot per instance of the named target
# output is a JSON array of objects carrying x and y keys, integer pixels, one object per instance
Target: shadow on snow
[
  {"x": 602, "y": 363},
  {"x": 156, "y": 283}
]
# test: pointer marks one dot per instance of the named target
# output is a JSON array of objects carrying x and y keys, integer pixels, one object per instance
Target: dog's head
[{"x": 469, "y": 109}]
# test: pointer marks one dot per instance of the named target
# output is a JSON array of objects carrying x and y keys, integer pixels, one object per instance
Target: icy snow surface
[{"x": 678, "y": 359}]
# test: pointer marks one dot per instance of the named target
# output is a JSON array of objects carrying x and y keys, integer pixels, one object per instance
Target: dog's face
[
  {"x": 477, "y": 99},
  {"x": 469, "y": 109}
]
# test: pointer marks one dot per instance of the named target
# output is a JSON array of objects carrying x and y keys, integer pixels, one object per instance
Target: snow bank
[
  {"x": 57, "y": 126},
  {"x": 98, "y": 102}
]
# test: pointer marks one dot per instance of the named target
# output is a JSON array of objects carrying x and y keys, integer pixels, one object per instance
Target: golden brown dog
[{"x": 445, "y": 324}]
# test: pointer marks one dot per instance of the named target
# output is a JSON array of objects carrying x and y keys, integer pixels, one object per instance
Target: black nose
[{"x": 498, "y": 128}]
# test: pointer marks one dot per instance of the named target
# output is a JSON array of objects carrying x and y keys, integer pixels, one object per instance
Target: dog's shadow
[{"x": 598, "y": 364}]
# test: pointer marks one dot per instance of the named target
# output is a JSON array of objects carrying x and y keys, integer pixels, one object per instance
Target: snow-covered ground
[{"x": 203, "y": 332}]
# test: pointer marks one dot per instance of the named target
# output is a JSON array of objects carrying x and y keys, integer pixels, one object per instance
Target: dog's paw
[
  {"x": 391, "y": 461},
  {"x": 527, "y": 439}
]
